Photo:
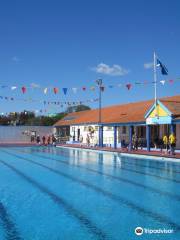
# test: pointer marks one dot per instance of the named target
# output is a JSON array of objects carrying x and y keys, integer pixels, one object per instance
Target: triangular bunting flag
[
  {"x": 92, "y": 88},
  {"x": 128, "y": 86},
  {"x": 55, "y": 89},
  {"x": 65, "y": 91},
  {"x": 74, "y": 90},
  {"x": 162, "y": 82},
  {"x": 45, "y": 90},
  {"x": 13, "y": 87},
  {"x": 23, "y": 89}
]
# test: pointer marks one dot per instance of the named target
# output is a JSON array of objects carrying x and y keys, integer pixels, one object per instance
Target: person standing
[
  {"x": 32, "y": 138},
  {"x": 88, "y": 140},
  {"x": 38, "y": 140},
  {"x": 48, "y": 140},
  {"x": 135, "y": 142},
  {"x": 165, "y": 143},
  {"x": 53, "y": 140},
  {"x": 81, "y": 140},
  {"x": 172, "y": 143},
  {"x": 44, "y": 140}
]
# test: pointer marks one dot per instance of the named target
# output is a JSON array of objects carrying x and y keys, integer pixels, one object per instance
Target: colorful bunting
[
  {"x": 49, "y": 103},
  {"x": 85, "y": 88}
]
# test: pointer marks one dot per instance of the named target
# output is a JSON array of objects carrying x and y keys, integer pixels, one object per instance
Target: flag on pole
[{"x": 164, "y": 70}]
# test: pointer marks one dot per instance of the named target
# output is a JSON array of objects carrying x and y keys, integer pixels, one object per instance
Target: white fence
[{"x": 22, "y": 133}]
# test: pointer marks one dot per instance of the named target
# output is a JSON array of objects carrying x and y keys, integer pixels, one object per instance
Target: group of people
[
  {"x": 44, "y": 140},
  {"x": 169, "y": 143}
]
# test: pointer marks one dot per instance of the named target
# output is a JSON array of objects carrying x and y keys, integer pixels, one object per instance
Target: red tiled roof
[{"x": 131, "y": 112}]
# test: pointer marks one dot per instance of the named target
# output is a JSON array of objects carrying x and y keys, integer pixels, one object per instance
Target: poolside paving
[{"x": 153, "y": 152}]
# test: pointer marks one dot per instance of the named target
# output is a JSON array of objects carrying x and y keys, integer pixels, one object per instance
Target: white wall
[
  {"x": 22, "y": 133},
  {"x": 83, "y": 132},
  {"x": 108, "y": 134}
]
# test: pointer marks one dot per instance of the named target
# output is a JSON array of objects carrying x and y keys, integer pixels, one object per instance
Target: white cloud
[
  {"x": 115, "y": 70},
  {"x": 34, "y": 85},
  {"x": 15, "y": 59},
  {"x": 148, "y": 65}
]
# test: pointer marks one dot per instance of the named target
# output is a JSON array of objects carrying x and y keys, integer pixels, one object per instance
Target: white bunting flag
[
  {"x": 13, "y": 87},
  {"x": 74, "y": 90},
  {"x": 162, "y": 82},
  {"x": 45, "y": 90}
]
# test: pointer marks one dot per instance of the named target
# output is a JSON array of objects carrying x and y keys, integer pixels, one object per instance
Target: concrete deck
[{"x": 141, "y": 152}]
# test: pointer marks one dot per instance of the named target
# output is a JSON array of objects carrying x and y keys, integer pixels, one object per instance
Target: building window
[
  {"x": 109, "y": 128},
  {"x": 96, "y": 128},
  {"x": 85, "y": 128},
  {"x": 124, "y": 130}
]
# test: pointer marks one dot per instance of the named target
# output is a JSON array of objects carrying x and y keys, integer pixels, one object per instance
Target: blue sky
[{"x": 73, "y": 43}]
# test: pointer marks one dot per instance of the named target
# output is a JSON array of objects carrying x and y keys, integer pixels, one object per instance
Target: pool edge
[{"x": 151, "y": 157}]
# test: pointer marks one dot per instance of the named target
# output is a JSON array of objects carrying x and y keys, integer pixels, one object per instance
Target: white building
[{"x": 148, "y": 120}]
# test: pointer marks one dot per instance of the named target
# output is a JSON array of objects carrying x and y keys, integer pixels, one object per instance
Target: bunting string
[
  {"x": 45, "y": 102},
  {"x": 65, "y": 90}
]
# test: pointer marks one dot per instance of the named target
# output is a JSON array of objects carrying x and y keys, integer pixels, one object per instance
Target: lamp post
[{"x": 99, "y": 83}]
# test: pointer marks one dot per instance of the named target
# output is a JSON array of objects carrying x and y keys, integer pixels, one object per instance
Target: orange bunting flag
[
  {"x": 56, "y": 90},
  {"x": 23, "y": 89},
  {"x": 128, "y": 86}
]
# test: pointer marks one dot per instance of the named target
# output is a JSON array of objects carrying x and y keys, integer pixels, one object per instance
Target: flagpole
[{"x": 155, "y": 80}]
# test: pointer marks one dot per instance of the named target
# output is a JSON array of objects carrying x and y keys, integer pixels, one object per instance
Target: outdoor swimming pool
[{"x": 51, "y": 193}]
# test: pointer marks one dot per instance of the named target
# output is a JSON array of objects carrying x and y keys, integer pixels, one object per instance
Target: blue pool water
[{"x": 51, "y": 193}]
